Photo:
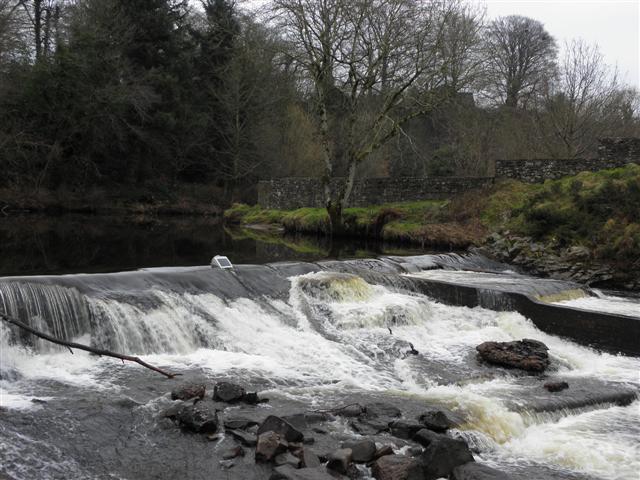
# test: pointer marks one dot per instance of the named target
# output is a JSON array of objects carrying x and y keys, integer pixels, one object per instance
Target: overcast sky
[{"x": 613, "y": 24}]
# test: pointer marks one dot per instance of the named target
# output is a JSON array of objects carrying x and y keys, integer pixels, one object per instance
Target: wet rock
[
  {"x": 246, "y": 438},
  {"x": 382, "y": 451},
  {"x": 442, "y": 454},
  {"x": 233, "y": 453},
  {"x": 556, "y": 386},
  {"x": 309, "y": 459},
  {"x": 286, "y": 458},
  {"x": 396, "y": 467},
  {"x": 367, "y": 427},
  {"x": 239, "y": 423},
  {"x": 435, "y": 420},
  {"x": 297, "y": 421},
  {"x": 527, "y": 354},
  {"x": 287, "y": 472},
  {"x": 339, "y": 460},
  {"x": 477, "y": 471},
  {"x": 187, "y": 391},
  {"x": 226, "y": 464},
  {"x": 350, "y": 411},
  {"x": 404, "y": 429},
  {"x": 228, "y": 392},
  {"x": 380, "y": 409},
  {"x": 200, "y": 417},
  {"x": 214, "y": 437},
  {"x": 362, "y": 451},
  {"x": 269, "y": 445},
  {"x": 282, "y": 427}
]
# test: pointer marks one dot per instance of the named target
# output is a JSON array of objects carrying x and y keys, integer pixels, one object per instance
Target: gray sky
[{"x": 613, "y": 24}]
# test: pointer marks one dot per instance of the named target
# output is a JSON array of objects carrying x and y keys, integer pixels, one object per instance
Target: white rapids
[{"x": 332, "y": 336}]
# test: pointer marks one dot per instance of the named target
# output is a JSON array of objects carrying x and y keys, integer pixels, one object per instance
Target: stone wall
[
  {"x": 290, "y": 193},
  {"x": 612, "y": 153}
]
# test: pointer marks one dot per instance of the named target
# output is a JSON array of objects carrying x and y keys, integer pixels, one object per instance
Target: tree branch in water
[{"x": 97, "y": 351}]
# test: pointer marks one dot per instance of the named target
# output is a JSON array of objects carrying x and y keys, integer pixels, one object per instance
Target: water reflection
[{"x": 32, "y": 245}]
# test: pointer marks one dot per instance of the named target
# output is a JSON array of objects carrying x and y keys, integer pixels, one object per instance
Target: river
[{"x": 307, "y": 335}]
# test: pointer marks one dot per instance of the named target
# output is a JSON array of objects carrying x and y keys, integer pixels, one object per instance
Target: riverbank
[
  {"x": 584, "y": 227},
  {"x": 136, "y": 200}
]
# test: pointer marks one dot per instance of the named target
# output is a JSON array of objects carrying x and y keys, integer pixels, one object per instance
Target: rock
[
  {"x": 578, "y": 252},
  {"x": 287, "y": 472},
  {"x": 247, "y": 439},
  {"x": 477, "y": 471},
  {"x": 233, "y": 453},
  {"x": 379, "y": 409},
  {"x": 339, "y": 460},
  {"x": 239, "y": 423},
  {"x": 228, "y": 392},
  {"x": 269, "y": 445},
  {"x": 214, "y": 437},
  {"x": 297, "y": 421},
  {"x": 286, "y": 458},
  {"x": 396, "y": 467},
  {"x": 362, "y": 451},
  {"x": 187, "y": 391},
  {"x": 370, "y": 427},
  {"x": 201, "y": 417},
  {"x": 282, "y": 427},
  {"x": 404, "y": 429},
  {"x": 350, "y": 411},
  {"x": 227, "y": 464},
  {"x": 173, "y": 411},
  {"x": 382, "y": 451},
  {"x": 435, "y": 420},
  {"x": 556, "y": 386},
  {"x": 309, "y": 458},
  {"x": 529, "y": 355},
  {"x": 441, "y": 455}
]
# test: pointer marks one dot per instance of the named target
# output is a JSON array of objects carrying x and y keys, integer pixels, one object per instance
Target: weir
[{"x": 59, "y": 303}]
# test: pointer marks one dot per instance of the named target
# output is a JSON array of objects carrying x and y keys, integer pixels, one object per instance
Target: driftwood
[{"x": 79, "y": 346}]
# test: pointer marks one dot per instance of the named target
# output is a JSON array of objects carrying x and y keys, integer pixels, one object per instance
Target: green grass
[{"x": 600, "y": 210}]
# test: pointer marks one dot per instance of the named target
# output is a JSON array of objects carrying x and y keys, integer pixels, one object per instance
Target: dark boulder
[
  {"x": 349, "y": 411},
  {"x": 245, "y": 438},
  {"x": 441, "y": 455},
  {"x": 382, "y": 451},
  {"x": 269, "y": 445},
  {"x": 187, "y": 391},
  {"x": 396, "y": 467},
  {"x": 339, "y": 460},
  {"x": 404, "y": 429},
  {"x": 362, "y": 451},
  {"x": 556, "y": 386},
  {"x": 287, "y": 472},
  {"x": 239, "y": 423},
  {"x": 477, "y": 471},
  {"x": 435, "y": 420},
  {"x": 282, "y": 427},
  {"x": 228, "y": 392},
  {"x": 200, "y": 417},
  {"x": 529, "y": 355}
]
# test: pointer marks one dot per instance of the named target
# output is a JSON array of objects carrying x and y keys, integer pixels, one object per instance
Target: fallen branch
[{"x": 79, "y": 346}]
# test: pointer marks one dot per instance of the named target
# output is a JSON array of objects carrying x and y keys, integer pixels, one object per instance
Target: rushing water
[{"x": 315, "y": 339}]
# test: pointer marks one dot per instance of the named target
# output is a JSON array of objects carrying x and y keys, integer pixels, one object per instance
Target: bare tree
[
  {"x": 520, "y": 56},
  {"x": 586, "y": 102},
  {"x": 372, "y": 65}
]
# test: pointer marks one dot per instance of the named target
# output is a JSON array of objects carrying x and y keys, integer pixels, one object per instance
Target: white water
[
  {"x": 331, "y": 336},
  {"x": 607, "y": 303}
]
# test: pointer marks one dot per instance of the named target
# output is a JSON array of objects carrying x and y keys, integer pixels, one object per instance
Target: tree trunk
[{"x": 336, "y": 223}]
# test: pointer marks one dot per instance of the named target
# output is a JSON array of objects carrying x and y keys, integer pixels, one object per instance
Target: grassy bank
[{"x": 598, "y": 210}]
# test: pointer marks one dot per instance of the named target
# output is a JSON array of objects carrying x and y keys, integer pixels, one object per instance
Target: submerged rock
[
  {"x": 187, "y": 391},
  {"x": 233, "y": 453},
  {"x": 527, "y": 354},
  {"x": 287, "y": 472},
  {"x": 556, "y": 386},
  {"x": 477, "y": 471},
  {"x": 396, "y": 467}
]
